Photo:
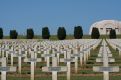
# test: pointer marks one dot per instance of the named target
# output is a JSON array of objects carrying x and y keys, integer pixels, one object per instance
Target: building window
[
  {"x": 108, "y": 28},
  {"x": 101, "y": 28}
]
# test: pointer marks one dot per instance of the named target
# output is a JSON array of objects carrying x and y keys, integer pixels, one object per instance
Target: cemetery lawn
[
  {"x": 54, "y": 37},
  {"x": 85, "y": 72}
]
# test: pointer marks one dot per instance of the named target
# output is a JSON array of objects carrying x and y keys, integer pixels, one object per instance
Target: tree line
[{"x": 61, "y": 33}]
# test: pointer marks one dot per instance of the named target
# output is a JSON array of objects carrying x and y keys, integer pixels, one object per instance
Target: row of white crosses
[
  {"x": 13, "y": 53},
  {"x": 67, "y": 47},
  {"x": 115, "y": 44},
  {"x": 104, "y": 56},
  {"x": 71, "y": 54}
]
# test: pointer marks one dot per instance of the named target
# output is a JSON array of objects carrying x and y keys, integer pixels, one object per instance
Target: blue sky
[{"x": 23, "y": 14}]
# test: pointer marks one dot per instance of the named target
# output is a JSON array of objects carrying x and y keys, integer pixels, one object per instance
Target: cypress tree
[
  {"x": 45, "y": 33},
  {"x": 13, "y": 34},
  {"x": 78, "y": 32},
  {"x": 61, "y": 33},
  {"x": 112, "y": 34},
  {"x": 1, "y": 33},
  {"x": 30, "y": 33},
  {"x": 95, "y": 33}
]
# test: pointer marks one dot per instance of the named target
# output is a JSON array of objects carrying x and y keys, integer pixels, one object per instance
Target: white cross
[
  {"x": 68, "y": 60},
  {"x": 20, "y": 55},
  {"x": 4, "y": 68},
  {"x": 105, "y": 68},
  {"x": 54, "y": 69},
  {"x": 32, "y": 60}
]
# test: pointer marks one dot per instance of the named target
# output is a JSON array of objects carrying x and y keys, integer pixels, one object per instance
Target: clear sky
[{"x": 23, "y": 14}]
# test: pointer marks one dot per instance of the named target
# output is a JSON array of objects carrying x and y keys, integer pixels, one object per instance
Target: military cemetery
[
  {"x": 95, "y": 57},
  {"x": 59, "y": 60},
  {"x": 60, "y": 40}
]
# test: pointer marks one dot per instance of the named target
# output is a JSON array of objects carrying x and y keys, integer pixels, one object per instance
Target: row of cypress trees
[{"x": 61, "y": 33}]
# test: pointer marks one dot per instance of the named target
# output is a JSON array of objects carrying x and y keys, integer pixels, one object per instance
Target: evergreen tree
[
  {"x": 13, "y": 34},
  {"x": 95, "y": 33},
  {"x": 78, "y": 32},
  {"x": 30, "y": 33},
  {"x": 61, "y": 33},
  {"x": 112, "y": 34},
  {"x": 1, "y": 33},
  {"x": 45, "y": 33}
]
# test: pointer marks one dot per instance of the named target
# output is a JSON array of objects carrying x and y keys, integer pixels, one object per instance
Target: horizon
[{"x": 20, "y": 15}]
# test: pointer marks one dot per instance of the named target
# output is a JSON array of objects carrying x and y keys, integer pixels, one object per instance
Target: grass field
[{"x": 54, "y": 37}]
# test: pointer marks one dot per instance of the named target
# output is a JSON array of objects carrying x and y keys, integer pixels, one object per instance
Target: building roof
[{"x": 106, "y": 24}]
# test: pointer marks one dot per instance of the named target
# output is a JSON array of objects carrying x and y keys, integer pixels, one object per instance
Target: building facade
[{"x": 105, "y": 26}]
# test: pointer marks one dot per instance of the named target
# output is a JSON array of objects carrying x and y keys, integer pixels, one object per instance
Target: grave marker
[
  {"x": 4, "y": 68},
  {"x": 54, "y": 69},
  {"x": 32, "y": 60}
]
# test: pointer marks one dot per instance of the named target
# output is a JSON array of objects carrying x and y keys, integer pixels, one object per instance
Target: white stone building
[{"x": 105, "y": 26}]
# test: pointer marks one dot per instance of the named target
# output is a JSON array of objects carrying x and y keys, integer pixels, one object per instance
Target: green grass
[
  {"x": 61, "y": 78},
  {"x": 54, "y": 37},
  {"x": 72, "y": 78}
]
